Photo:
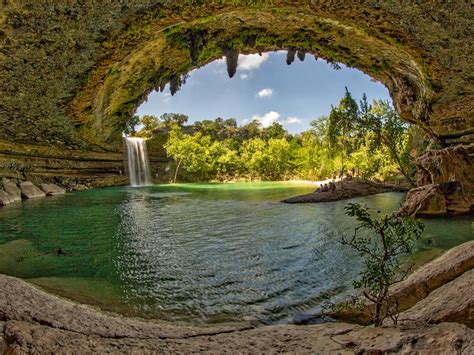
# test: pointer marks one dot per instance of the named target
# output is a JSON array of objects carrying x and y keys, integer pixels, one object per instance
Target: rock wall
[
  {"x": 73, "y": 73},
  {"x": 446, "y": 183}
]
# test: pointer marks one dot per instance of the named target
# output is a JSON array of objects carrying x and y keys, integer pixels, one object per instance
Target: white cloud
[
  {"x": 267, "y": 92},
  {"x": 293, "y": 120},
  {"x": 251, "y": 61},
  {"x": 244, "y": 76},
  {"x": 267, "y": 119}
]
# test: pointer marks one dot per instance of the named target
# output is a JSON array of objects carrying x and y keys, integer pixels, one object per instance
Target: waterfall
[{"x": 138, "y": 164}]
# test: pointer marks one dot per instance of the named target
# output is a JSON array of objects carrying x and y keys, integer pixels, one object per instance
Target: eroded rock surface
[
  {"x": 446, "y": 179},
  {"x": 38, "y": 322}
]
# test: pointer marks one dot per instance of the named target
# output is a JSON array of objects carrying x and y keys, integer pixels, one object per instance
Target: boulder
[
  {"x": 12, "y": 190},
  {"x": 425, "y": 200},
  {"x": 28, "y": 190},
  {"x": 5, "y": 199},
  {"x": 52, "y": 189},
  {"x": 453, "y": 302},
  {"x": 446, "y": 177},
  {"x": 418, "y": 285},
  {"x": 433, "y": 275}
]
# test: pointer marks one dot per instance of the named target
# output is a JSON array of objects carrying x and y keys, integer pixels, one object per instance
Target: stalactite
[
  {"x": 301, "y": 55},
  {"x": 232, "y": 59},
  {"x": 290, "y": 57}
]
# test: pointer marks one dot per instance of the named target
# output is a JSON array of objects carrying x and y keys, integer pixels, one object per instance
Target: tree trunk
[
  {"x": 397, "y": 158},
  {"x": 176, "y": 172}
]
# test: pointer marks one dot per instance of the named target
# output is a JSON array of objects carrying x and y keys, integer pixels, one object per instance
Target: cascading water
[{"x": 138, "y": 164}]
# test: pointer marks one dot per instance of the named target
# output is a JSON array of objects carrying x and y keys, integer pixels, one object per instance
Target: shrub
[{"x": 389, "y": 239}]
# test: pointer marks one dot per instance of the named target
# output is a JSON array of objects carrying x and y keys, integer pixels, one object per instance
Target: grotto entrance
[{"x": 115, "y": 55}]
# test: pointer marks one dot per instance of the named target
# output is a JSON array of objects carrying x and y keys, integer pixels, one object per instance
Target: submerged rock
[
  {"x": 28, "y": 190},
  {"x": 52, "y": 189}
]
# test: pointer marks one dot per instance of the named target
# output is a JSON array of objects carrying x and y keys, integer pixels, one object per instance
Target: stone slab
[
  {"x": 29, "y": 190},
  {"x": 12, "y": 190},
  {"x": 5, "y": 199},
  {"x": 52, "y": 189}
]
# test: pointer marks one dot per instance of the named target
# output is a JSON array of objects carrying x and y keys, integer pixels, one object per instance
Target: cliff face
[{"x": 71, "y": 75}]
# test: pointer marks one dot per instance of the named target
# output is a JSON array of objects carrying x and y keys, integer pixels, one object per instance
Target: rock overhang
[{"x": 100, "y": 61}]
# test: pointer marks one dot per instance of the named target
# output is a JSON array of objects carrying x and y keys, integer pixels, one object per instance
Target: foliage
[
  {"x": 389, "y": 239},
  {"x": 369, "y": 139}
]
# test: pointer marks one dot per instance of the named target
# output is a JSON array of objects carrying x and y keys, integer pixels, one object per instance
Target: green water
[{"x": 195, "y": 252}]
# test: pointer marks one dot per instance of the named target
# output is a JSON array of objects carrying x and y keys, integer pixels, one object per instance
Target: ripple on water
[{"x": 199, "y": 253}]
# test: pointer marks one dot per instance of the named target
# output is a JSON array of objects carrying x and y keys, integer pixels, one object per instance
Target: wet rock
[
  {"x": 52, "y": 189},
  {"x": 28, "y": 190},
  {"x": 12, "y": 190},
  {"x": 453, "y": 302}
]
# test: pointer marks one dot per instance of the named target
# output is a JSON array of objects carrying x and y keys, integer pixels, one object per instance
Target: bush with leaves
[{"x": 389, "y": 239}]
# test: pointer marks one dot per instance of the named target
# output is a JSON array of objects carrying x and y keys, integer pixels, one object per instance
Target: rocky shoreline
[
  {"x": 439, "y": 321},
  {"x": 347, "y": 189},
  {"x": 14, "y": 191}
]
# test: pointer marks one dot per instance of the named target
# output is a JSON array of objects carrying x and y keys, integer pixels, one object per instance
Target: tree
[
  {"x": 389, "y": 239},
  {"x": 169, "y": 118},
  {"x": 341, "y": 125},
  {"x": 275, "y": 130},
  {"x": 390, "y": 132},
  {"x": 149, "y": 124},
  {"x": 188, "y": 151},
  {"x": 131, "y": 125}
]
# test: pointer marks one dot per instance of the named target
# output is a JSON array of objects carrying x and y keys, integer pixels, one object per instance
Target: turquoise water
[{"x": 195, "y": 252}]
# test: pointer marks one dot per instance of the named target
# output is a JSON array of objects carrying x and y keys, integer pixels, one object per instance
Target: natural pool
[{"x": 195, "y": 252}]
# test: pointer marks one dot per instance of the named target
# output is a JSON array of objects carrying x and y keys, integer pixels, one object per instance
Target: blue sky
[{"x": 265, "y": 88}]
